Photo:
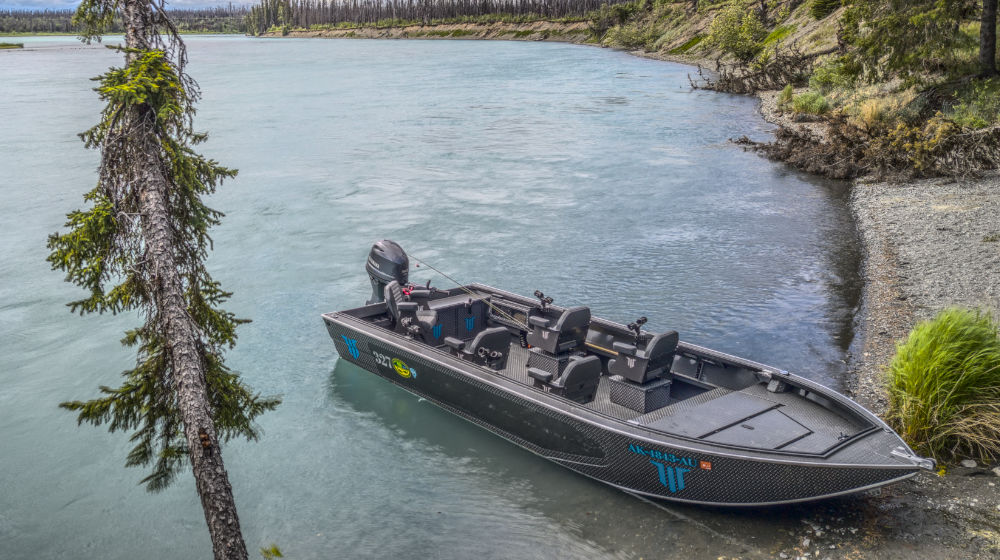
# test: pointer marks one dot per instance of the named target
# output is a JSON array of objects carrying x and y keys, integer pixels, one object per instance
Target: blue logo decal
[
  {"x": 665, "y": 457},
  {"x": 470, "y": 323},
  {"x": 670, "y": 467},
  {"x": 437, "y": 331},
  {"x": 671, "y": 477},
  {"x": 352, "y": 347}
]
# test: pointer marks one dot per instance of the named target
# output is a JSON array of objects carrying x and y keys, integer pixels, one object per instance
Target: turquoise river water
[{"x": 596, "y": 177}]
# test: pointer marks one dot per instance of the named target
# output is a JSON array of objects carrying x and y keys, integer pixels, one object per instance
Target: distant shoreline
[
  {"x": 574, "y": 32},
  {"x": 6, "y": 34}
]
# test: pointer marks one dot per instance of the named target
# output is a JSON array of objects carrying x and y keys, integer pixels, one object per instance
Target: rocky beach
[{"x": 928, "y": 244}]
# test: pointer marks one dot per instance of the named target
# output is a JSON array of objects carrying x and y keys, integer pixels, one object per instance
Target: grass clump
[
  {"x": 786, "y": 96},
  {"x": 11, "y": 45},
  {"x": 688, "y": 45},
  {"x": 944, "y": 386},
  {"x": 778, "y": 34},
  {"x": 811, "y": 102}
]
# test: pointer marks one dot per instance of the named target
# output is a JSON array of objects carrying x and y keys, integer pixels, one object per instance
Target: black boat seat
[
  {"x": 407, "y": 315},
  {"x": 460, "y": 317},
  {"x": 578, "y": 381},
  {"x": 560, "y": 334},
  {"x": 489, "y": 348},
  {"x": 641, "y": 365}
]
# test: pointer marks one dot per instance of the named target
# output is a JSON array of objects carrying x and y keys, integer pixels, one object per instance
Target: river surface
[{"x": 594, "y": 176}]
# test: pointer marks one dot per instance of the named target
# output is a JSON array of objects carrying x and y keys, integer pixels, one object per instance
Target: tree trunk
[
  {"x": 988, "y": 39},
  {"x": 188, "y": 373}
]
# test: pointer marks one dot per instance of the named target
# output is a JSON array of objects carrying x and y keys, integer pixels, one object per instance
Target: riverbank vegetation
[
  {"x": 222, "y": 19},
  {"x": 902, "y": 88},
  {"x": 11, "y": 45},
  {"x": 944, "y": 387}
]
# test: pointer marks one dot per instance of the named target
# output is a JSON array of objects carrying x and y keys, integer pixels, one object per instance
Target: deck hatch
[
  {"x": 713, "y": 416},
  {"x": 769, "y": 430}
]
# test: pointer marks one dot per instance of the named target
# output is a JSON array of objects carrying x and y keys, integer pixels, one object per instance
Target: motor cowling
[{"x": 387, "y": 261}]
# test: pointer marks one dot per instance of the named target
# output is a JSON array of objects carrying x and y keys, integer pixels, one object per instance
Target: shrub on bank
[
  {"x": 977, "y": 104},
  {"x": 944, "y": 386},
  {"x": 608, "y": 16},
  {"x": 840, "y": 72},
  {"x": 630, "y": 36},
  {"x": 738, "y": 31},
  {"x": 785, "y": 98},
  {"x": 810, "y": 102}
]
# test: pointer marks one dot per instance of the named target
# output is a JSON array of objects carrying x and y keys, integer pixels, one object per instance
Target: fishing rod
[{"x": 496, "y": 309}]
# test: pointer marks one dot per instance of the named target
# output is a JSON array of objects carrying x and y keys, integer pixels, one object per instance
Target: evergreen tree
[
  {"x": 141, "y": 245},
  {"x": 822, "y": 8},
  {"x": 907, "y": 37},
  {"x": 988, "y": 39}
]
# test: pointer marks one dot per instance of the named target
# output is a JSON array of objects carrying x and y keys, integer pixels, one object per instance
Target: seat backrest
[
  {"x": 573, "y": 319},
  {"x": 462, "y": 319},
  {"x": 579, "y": 381},
  {"x": 660, "y": 348},
  {"x": 491, "y": 341},
  {"x": 393, "y": 294},
  {"x": 568, "y": 331},
  {"x": 641, "y": 365}
]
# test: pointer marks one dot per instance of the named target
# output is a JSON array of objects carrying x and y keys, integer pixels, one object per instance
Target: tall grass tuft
[
  {"x": 810, "y": 102},
  {"x": 944, "y": 386}
]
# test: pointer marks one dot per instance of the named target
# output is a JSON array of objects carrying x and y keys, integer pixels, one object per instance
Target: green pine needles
[
  {"x": 103, "y": 252},
  {"x": 907, "y": 38},
  {"x": 819, "y": 9},
  {"x": 944, "y": 386}
]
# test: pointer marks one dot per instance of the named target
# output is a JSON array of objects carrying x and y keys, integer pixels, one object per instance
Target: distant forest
[
  {"x": 278, "y": 14},
  {"x": 352, "y": 13},
  {"x": 223, "y": 19}
]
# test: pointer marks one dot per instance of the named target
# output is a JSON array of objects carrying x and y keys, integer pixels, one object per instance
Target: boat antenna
[{"x": 495, "y": 309}]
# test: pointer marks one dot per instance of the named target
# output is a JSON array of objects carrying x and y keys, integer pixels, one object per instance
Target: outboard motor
[{"x": 387, "y": 261}]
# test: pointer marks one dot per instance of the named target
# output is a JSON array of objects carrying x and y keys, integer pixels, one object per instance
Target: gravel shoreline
[{"x": 930, "y": 244}]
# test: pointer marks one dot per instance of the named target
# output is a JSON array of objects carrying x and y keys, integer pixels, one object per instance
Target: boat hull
[{"x": 615, "y": 453}]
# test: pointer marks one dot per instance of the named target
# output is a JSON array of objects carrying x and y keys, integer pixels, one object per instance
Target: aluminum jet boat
[{"x": 642, "y": 411}]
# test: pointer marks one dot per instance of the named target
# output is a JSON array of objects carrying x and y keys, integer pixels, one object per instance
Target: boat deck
[{"x": 748, "y": 417}]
